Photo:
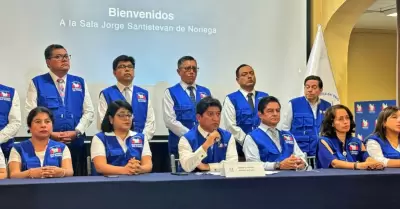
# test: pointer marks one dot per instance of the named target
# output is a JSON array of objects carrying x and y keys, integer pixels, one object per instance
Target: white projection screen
[{"x": 269, "y": 35}]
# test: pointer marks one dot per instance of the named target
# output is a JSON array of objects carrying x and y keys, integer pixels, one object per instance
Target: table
[{"x": 329, "y": 188}]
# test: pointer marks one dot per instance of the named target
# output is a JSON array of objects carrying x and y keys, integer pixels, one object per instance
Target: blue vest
[
  {"x": 67, "y": 114},
  {"x": 215, "y": 153},
  {"x": 185, "y": 111},
  {"x": 6, "y": 98},
  {"x": 267, "y": 148},
  {"x": 387, "y": 149},
  {"x": 115, "y": 155},
  {"x": 352, "y": 151},
  {"x": 52, "y": 157},
  {"x": 246, "y": 119},
  {"x": 139, "y": 103},
  {"x": 304, "y": 127}
]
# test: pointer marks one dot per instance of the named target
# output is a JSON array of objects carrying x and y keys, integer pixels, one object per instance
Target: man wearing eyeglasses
[
  {"x": 143, "y": 120},
  {"x": 305, "y": 115},
  {"x": 179, "y": 103},
  {"x": 239, "y": 114},
  {"x": 67, "y": 96}
]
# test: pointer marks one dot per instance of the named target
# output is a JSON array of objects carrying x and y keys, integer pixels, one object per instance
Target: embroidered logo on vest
[
  {"x": 202, "y": 95},
  {"x": 136, "y": 142},
  {"x": 354, "y": 148},
  {"x": 55, "y": 152},
  {"x": 288, "y": 139},
  {"x": 76, "y": 86},
  {"x": 5, "y": 96},
  {"x": 141, "y": 97}
]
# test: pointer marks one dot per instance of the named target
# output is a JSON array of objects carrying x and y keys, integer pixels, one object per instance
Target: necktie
[
  {"x": 191, "y": 91},
  {"x": 127, "y": 95},
  {"x": 275, "y": 138},
  {"x": 250, "y": 100},
  {"x": 60, "y": 87}
]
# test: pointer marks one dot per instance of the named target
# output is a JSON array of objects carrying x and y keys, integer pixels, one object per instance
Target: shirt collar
[
  {"x": 131, "y": 133},
  {"x": 203, "y": 132},
  {"x": 318, "y": 101},
  {"x": 245, "y": 93},
  {"x": 55, "y": 77},
  {"x": 265, "y": 128},
  {"x": 121, "y": 87},
  {"x": 185, "y": 85}
]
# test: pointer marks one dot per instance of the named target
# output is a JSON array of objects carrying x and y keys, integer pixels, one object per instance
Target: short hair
[
  {"x": 238, "y": 68},
  {"x": 112, "y": 109},
  {"x": 35, "y": 111},
  {"x": 315, "y": 78},
  {"x": 185, "y": 58},
  {"x": 207, "y": 102},
  {"x": 265, "y": 101},
  {"x": 380, "y": 130},
  {"x": 49, "y": 50},
  {"x": 327, "y": 128},
  {"x": 123, "y": 58}
]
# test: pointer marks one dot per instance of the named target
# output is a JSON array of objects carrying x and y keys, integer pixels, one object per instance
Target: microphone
[{"x": 173, "y": 166}]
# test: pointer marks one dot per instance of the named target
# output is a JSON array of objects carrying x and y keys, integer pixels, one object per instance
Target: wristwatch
[
  {"x": 78, "y": 134},
  {"x": 277, "y": 165}
]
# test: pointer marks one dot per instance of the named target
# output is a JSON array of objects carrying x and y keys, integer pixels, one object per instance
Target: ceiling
[{"x": 373, "y": 18}]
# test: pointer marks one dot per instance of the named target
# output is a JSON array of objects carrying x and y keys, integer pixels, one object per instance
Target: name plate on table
[{"x": 242, "y": 169}]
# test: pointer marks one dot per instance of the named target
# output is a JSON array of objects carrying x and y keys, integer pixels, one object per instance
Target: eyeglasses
[
  {"x": 125, "y": 66},
  {"x": 60, "y": 57},
  {"x": 188, "y": 68},
  {"x": 124, "y": 115}
]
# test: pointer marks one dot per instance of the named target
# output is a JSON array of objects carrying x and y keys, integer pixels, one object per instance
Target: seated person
[
  {"x": 383, "y": 145},
  {"x": 40, "y": 156},
  {"x": 277, "y": 149},
  {"x": 3, "y": 169},
  {"x": 337, "y": 147},
  {"x": 205, "y": 146},
  {"x": 117, "y": 150}
]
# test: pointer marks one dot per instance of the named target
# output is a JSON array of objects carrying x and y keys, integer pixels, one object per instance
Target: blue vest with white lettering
[
  {"x": 352, "y": 151},
  {"x": 387, "y": 149},
  {"x": 269, "y": 152},
  {"x": 217, "y": 152},
  {"x": 139, "y": 104},
  {"x": 6, "y": 98},
  {"x": 246, "y": 118},
  {"x": 115, "y": 155},
  {"x": 304, "y": 127},
  {"x": 185, "y": 111},
  {"x": 52, "y": 157},
  {"x": 68, "y": 113}
]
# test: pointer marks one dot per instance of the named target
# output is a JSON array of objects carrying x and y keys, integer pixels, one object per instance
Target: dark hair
[
  {"x": 123, "y": 58},
  {"x": 265, "y": 101},
  {"x": 315, "y": 78},
  {"x": 35, "y": 111},
  {"x": 112, "y": 109},
  {"x": 49, "y": 50},
  {"x": 207, "y": 102},
  {"x": 327, "y": 128},
  {"x": 380, "y": 130},
  {"x": 238, "y": 68},
  {"x": 185, "y": 58}
]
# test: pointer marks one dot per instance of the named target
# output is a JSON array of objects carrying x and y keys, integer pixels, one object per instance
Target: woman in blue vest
[
  {"x": 337, "y": 148},
  {"x": 117, "y": 150},
  {"x": 383, "y": 144},
  {"x": 3, "y": 170},
  {"x": 40, "y": 156}
]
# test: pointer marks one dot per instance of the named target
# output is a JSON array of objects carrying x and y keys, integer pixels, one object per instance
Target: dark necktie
[
  {"x": 250, "y": 100},
  {"x": 191, "y": 91}
]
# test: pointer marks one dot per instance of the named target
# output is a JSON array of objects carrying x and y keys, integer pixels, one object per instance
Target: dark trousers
[{"x": 79, "y": 164}]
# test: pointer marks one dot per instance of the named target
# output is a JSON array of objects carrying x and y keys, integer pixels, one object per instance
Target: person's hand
[
  {"x": 70, "y": 134},
  {"x": 370, "y": 165},
  {"x": 36, "y": 173},
  {"x": 211, "y": 139},
  {"x": 289, "y": 163},
  {"x": 203, "y": 167},
  {"x": 56, "y": 136},
  {"x": 300, "y": 164},
  {"x": 53, "y": 172},
  {"x": 132, "y": 167}
]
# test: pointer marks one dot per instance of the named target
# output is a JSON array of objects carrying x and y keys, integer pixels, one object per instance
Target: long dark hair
[
  {"x": 112, "y": 109},
  {"x": 327, "y": 128},
  {"x": 380, "y": 130}
]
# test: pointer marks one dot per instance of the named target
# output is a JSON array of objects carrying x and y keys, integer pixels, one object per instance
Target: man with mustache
[
  {"x": 67, "y": 96},
  {"x": 239, "y": 114},
  {"x": 179, "y": 103},
  {"x": 143, "y": 120}
]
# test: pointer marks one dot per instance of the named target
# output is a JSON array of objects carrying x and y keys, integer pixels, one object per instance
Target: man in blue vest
[
  {"x": 143, "y": 120},
  {"x": 277, "y": 149},
  {"x": 305, "y": 115},
  {"x": 67, "y": 96},
  {"x": 239, "y": 114},
  {"x": 206, "y": 145},
  {"x": 179, "y": 103}
]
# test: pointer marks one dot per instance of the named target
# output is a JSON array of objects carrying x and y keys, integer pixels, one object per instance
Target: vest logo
[
  {"x": 288, "y": 139},
  {"x": 76, "y": 86},
  {"x": 354, "y": 148},
  {"x": 136, "y": 142},
  {"x": 322, "y": 112},
  {"x": 203, "y": 94},
  {"x": 55, "y": 152},
  {"x": 364, "y": 124},
  {"x": 5, "y": 96},
  {"x": 360, "y": 137},
  {"x": 384, "y": 105},
  {"x": 359, "y": 109},
  {"x": 141, "y": 97},
  {"x": 371, "y": 108},
  {"x": 222, "y": 145}
]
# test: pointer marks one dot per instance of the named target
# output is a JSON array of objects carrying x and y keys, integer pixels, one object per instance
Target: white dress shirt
[
  {"x": 169, "y": 115},
  {"x": 228, "y": 117},
  {"x": 288, "y": 117},
  {"x": 252, "y": 153},
  {"x": 189, "y": 160},
  {"x": 14, "y": 120},
  {"x": 150, "y": 125},
  {"x": 2, "y": 160},
  {"x": 97, "y": 147},
  {"x": 375, "y": 151},
  {"x": 88, "y": 109},
  {"x": 16, "y": 157}
]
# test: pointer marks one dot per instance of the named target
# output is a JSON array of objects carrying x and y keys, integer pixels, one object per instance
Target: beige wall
[{"x": 371, "y": 66}]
